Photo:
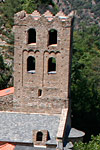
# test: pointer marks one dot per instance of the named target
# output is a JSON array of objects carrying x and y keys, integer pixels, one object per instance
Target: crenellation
[{"x": 22, "y": 17}]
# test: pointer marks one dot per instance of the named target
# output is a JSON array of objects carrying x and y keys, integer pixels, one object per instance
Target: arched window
[
  {"x": 39, "y": 136},
  {"x": 52, "y": 36},
  {"x": 52, "y": 65},
  {"x": 31, "y": 36},
  {"x": 31, "y": 64},
  {"x": 39, "y": 92}
]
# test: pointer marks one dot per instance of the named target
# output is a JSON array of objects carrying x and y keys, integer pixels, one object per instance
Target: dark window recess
[
  {"x": 31, "y": 36},
  {"x": 39, "y": 92},
  {"x": 31, "y": 64},
  {"x": 52, "y": 64},
  {"x": 39, "y": 136},
  {"x": 52, "y": 36}
]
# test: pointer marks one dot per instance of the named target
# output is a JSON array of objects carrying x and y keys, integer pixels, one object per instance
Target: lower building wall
[
  {"x": 6, "y": 103},
  {"x": 51, "y": 106}
]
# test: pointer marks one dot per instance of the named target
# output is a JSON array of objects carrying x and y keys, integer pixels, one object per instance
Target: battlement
[{"x": 22, "y": 16}]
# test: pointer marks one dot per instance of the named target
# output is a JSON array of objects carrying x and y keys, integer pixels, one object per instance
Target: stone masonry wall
[
  {"x": 55, "y": 87},
  {"x": 6, "y": 103}
]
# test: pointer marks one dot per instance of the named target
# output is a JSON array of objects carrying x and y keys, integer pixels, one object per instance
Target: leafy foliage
[
  {"x": 87, "y": 11},
  {"x": 86, "y": 77},
  {"x": 5, "y": 74},
  {"x": 94, "y": 144},
  {"x": 41, "y": 5},
  {"x": 9, "y": 8}
]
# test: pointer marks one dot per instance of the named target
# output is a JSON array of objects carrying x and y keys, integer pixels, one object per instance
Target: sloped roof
[
  {"x": 7, "y": 146},
  {"x": 19, "y": 147},
  {"x": 18, "y": 127},
  {"x": 7, "y": 91},
  {"x": 74, "y": 133}
]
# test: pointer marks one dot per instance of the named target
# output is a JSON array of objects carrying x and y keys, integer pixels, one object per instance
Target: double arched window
[
  {"x": 39, "y": 136},
  {"x": 31, "y": 64},
  {"x": 52, "y": 37},
  {"x": 31, "y": 36},
  {"x": 51, "y": 65}
]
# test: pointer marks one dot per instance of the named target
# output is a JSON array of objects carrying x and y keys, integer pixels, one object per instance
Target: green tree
[
  {"x": 94, "y": 144},
  {"x": 30, "y": 5},
  {"x": 5, "y": 74},
  {"x": 9, "y": 8},
  {"x": 41, "y": 5},
  {"x": 85, "y": 88}
]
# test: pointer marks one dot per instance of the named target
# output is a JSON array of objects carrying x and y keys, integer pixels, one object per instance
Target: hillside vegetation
[
  {"x": 85, "y": 77},
  {"x": 94, "y": 144},
  {"x": 87, "y": 11}
]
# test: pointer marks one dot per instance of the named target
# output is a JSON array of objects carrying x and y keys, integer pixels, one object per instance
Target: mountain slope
[{"x": 87, "y": 11}]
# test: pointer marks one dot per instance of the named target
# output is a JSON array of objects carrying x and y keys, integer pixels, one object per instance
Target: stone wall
[
  {"x": 6, "y": 103},
  {"x": 55, "y": 87}
]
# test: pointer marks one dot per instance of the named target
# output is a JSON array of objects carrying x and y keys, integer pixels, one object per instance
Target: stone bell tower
[{"x": 42, "y": 62}]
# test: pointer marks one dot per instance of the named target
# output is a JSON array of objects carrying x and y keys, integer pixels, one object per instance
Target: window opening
[
  {"x": 31, "y": 64},
  {"x": 39, "y": 92},
  {"x": 39, "y": 136},
  {"x": 52, "y": 36},
  {"x": 52, "y": 65},
  {"x": 31, "y": 36}
]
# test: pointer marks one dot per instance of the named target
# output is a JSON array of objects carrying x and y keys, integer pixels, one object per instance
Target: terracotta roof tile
[
  {"x": 7, "y": 146},
  {"x": 7, "y": 91}
]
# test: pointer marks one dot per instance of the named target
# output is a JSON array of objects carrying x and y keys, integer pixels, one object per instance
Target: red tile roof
[
  {"x": 7, "y": 91},
  {"x": 7, "y": 146}
]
